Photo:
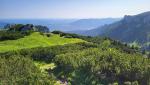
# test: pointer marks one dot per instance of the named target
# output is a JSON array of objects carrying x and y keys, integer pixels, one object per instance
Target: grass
[
  {"x": 36, "y": 40},
  {"x": 44, "y": 66}
]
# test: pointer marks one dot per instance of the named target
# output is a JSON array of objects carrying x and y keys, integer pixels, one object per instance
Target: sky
[{"x": 44, "y": 9}]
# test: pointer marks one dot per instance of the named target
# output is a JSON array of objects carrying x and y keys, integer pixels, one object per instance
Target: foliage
[
  {"x": 103, "y": 66},
  {"x": 20, "y": 71},
  {"x": 100, "y": 40},
  {"x": 40, "y": 28},
  {"x": 79, "y": 61},
  {"x": 9, "y": 35},
  {"x": 89, "y": 64}
]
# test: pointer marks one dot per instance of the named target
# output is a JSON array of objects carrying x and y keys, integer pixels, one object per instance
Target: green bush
[
  {"x": 9, "y": 35},
  {"x": 18, "y": 70}
]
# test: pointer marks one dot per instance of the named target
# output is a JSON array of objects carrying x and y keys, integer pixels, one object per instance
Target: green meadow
[{"x": 36, "y": 40}]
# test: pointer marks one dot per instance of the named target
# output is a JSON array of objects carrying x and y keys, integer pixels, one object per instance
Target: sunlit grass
[
  {"x": 44, "y": 66},
  {"x": 36, "y": 40}
]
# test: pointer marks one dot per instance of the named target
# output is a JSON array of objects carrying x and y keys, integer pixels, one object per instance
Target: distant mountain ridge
[
  {"x": 86, "y": 26},
  {"x": 62, "y": 24},
  {"x": 130, "y": 29},
  {"x": 93, "y": 23},
  {"x": 50, "y": 23}
]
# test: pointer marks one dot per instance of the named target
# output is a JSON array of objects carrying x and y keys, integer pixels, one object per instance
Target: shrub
[
  {"x": 19, "y": 70},
  {"x": 10, "y": 35}
]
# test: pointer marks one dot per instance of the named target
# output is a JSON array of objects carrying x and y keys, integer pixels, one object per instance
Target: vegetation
[
  {"x": 17, "y": 31},
  {"x": 56, "y": 58},
  {"x": 19, "y": 70},
  {"x": 7, "y": 35},
  {"x": 77, "y": 62},
  {"x": 40, "y": 28},
  {"x": 26, "y": 28}
]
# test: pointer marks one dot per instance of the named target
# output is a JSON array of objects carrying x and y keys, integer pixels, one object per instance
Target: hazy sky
[{"x": 71, "y": 8}]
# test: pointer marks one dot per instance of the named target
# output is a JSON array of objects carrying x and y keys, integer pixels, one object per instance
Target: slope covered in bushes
[
  {"x": 89, "y": 63},
  {"x": 83, "y": 61}
]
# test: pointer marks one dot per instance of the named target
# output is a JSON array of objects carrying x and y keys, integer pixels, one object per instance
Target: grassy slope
[{"x": 35, "y": 40}]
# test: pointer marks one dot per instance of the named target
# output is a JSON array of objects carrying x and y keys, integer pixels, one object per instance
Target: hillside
[
  {"x": 130, "y": 29},
  {"x": 74, "y": 42},
  {"x": 30, "y": 55},
  {"x": 92, "y": 32},
  {"x": 55, "y": 60},
  {"x": 35, "y": 40}
]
